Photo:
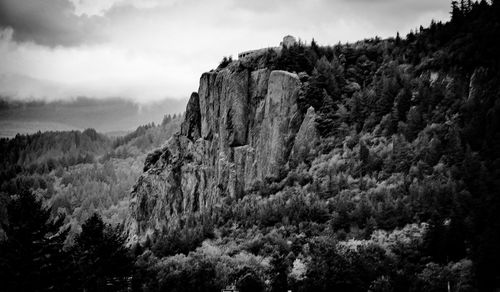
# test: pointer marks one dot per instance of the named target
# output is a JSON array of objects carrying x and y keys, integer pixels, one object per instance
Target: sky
[{"x": 147, "y": 50}]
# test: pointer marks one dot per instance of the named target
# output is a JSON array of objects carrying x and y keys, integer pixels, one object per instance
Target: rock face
[
  {"x": 190, "y": 127},
  {"x": 240, "y": 130},
  {"x": 306, "y": 139}
]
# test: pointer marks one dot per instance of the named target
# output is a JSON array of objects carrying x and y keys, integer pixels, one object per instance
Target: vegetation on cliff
[
  {"x": 394, "y": 188},
  {"x": 401, "y": 193}
]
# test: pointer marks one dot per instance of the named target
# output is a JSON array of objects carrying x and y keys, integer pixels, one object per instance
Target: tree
[
  {"x": 402, "y": 103},
  {"x": 364, "y": 153},
  {"x": 456, "y": 11},
  {"x": 100, "y": 255},
  {"x": 224, "y": 63},
  {"x": 166, "y": 120},
  {"x": 250, "y": 281},
  {"x": 32, "y": 257},
  {"x": 279, "y": 272},
  {"x": 415, "y": 123}
]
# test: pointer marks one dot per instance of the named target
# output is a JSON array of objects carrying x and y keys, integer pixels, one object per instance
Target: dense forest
[
  {"x": 77, "y": 174},
  {"x": 400, "y": 194}
]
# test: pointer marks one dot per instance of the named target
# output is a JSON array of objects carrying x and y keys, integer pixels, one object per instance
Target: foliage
[
  {"x": 401, "y": 196},
  {"x": 31, "y": 256},
  {"x": 80, "y": 173},
  {"x": 390, "y": 202},
  {"x": 102, "y": 261},
  {"x": 225, "y": 62}
]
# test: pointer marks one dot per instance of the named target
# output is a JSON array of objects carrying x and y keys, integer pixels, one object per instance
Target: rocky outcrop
[
  {"x": 306, "y": 140},
  {"x": 191, "y": 126},
  {"x": 240, "y": 130},
  {"x": 479, "y": 76}
]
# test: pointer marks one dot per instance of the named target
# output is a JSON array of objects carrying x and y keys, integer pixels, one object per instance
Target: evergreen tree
[
  {"x": 279, "y": 272},
  {"x": 398, "y": 39},
  {"x": 32, "y": 257},
  {"x": 101, "y": 258}
]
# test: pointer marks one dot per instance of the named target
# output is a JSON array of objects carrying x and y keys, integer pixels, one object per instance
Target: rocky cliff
[{"x": 243, "y": 128}]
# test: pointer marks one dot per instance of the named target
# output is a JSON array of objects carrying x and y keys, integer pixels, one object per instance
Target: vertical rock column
[{"x": 281, "y": 122}]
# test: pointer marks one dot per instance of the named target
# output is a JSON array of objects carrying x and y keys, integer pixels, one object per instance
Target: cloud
[
  {"x": 49, "y": 22},
  {"x": 102, "y": 7},
  {"x": 400, "y": 15},
  {"x": 150, "y": 49},
  {"x": 32, "y": 71},
  {"x": 346, "y": 20},
  {"x": 261, "y": 6}
]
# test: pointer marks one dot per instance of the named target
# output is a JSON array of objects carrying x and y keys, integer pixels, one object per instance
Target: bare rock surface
[{"x": 240, "y": 130}]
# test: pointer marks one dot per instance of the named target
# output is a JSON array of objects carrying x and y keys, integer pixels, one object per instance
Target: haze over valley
[{"x": 114, "y": 115}]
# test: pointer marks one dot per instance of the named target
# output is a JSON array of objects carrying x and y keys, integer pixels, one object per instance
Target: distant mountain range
[{"x": 105, "y": 115}]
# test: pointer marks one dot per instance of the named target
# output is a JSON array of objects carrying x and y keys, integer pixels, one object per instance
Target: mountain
[{"x": 365, "y": 166}]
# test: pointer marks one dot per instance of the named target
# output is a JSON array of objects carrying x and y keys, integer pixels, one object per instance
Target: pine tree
[
  {"x": 32, "y": 257},
  {"x": 456, "y": 12},
  {"x": 103, "y": 262}
]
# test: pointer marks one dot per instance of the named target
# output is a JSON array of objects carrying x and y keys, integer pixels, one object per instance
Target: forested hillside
[
  {"x": 79, "y": 173},
  {"x": 368, "y": 166},
  {"x": 384, "y": 177}
]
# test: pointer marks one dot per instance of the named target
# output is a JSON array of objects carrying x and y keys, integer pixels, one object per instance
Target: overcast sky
[{"x": 152, "y": 49}]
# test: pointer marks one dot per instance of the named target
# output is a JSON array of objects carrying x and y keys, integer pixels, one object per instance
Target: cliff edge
[{"x": 241, "y": 130}]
